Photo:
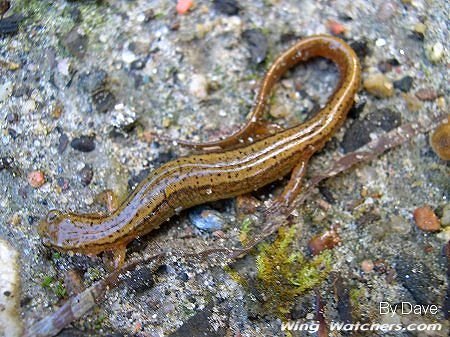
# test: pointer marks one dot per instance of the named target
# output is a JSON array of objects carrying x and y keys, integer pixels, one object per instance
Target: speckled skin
[{"x": 196, "y": 179}]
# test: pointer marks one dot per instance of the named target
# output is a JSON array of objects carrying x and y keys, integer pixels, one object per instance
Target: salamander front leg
[
  {"x": 250, "y": 132},
  {"x": 291, "y": 190}
]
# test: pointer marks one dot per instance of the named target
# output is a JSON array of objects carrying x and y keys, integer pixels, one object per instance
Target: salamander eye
[{"x": 53, "y": 215}]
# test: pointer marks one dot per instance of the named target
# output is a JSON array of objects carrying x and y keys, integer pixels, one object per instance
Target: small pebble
[
  {"x": 6, "y": 162},
  {"x": 63, "y": 183},
  {"x": 104, "y": 101},
  {"x": 85, "y": 175},
  {"x": 435, "y": 52},
  {"x": 367, "y": 266},
  {"x": 386, "y": 10},
  {"x": 140, "y": 280},
  {"x": 257, "y": 44},
  {"x": 198, "y": 86},
  {"x": 206, "y": 219},
  {"x": 326, "y": 240},
  {"x": 440, "y": 141},
  {"x": 75, "y": 42},
  {"x": 5, "y": 91},
  {"x": 379, "y": 85},
  {"x": 426, "y": 219},
  {"x": 36, "y": 179},
  {"x": 57, "y": 110},
  {"x": 426, "y": 94},
  {"x": 92, "y": 81},
  {"x": 228, "y": 7},
  {"x": 445, "y": 219},
  {"x": 404, "y": 84},
  {"x": 12, "y": 117},
  {"x": 83, "y": 143},
  {"x": 62, "y": 143},
  {"x": 336, "y": 28},
  {"x": 413, "y": 104},
  {"x": 183, "y": 6},
  {"x": 9, "y": 65}
]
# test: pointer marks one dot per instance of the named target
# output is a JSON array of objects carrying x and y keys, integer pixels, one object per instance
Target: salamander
[{"x": 237, "y": 165}]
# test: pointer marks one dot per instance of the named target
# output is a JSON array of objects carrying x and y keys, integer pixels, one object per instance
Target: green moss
[
  {"x": 235, "y": 276},
  {"x": 244, "y": 231},
  {"x": 47, "y": 282},
  {"x": 55, "y": 286},
  {"x": 94, "y": 274},
  {"x": 285, "y": 273},
  {"x": 356, "y": 295}
]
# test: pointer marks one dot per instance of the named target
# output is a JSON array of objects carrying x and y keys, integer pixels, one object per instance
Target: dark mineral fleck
[
  {"x": 404, "y": 84},
  {"x": 257, "y": 44},
  {"x": 83, "y": 143},
  {"x": 228, "y": 7}
]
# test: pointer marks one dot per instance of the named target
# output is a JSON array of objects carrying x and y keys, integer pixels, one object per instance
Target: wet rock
[
  {"x": 140, "y": 280},
  {"x": 92, "y": 81},
  {"x": 62, "y": 143},
  {"x": 36, "y": 179},
  {"x": 418, "y": 279},
  {"x": 426, "y": 219},
  {"x": 86, "y": 174},
  {"x": 342, "y": 293},
  {"x": 103, "y": 101},
  {"x": 379, "y": 85},
  {"x": 257, "y": 44},
  {"x": 404, "y": 84},
  {"x": 426, "y": 94},
  {"x": 10, "y": 321},
  {"x": 83, "y": 143},
  {"x": 228, "y": 7},
  {"x": 358, "y": 134},
  {"x": 206, "y": 219},
  {"x": 10, "y": 24},
  {"x": 75, "y": 42}
]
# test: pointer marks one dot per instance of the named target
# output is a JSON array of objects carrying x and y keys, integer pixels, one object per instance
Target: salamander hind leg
[
  {"x": 291, "y": 190},
  {"x": 115, "y": 257}
]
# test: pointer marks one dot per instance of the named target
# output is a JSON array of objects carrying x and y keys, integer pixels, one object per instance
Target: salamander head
[{"x": 54, "y": 230}]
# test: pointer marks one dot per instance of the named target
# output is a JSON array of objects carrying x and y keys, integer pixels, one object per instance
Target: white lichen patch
[{"x": 10, "y": 324}]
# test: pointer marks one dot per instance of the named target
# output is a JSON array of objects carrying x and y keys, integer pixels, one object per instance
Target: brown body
[{"x": 193, "y": 180}]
